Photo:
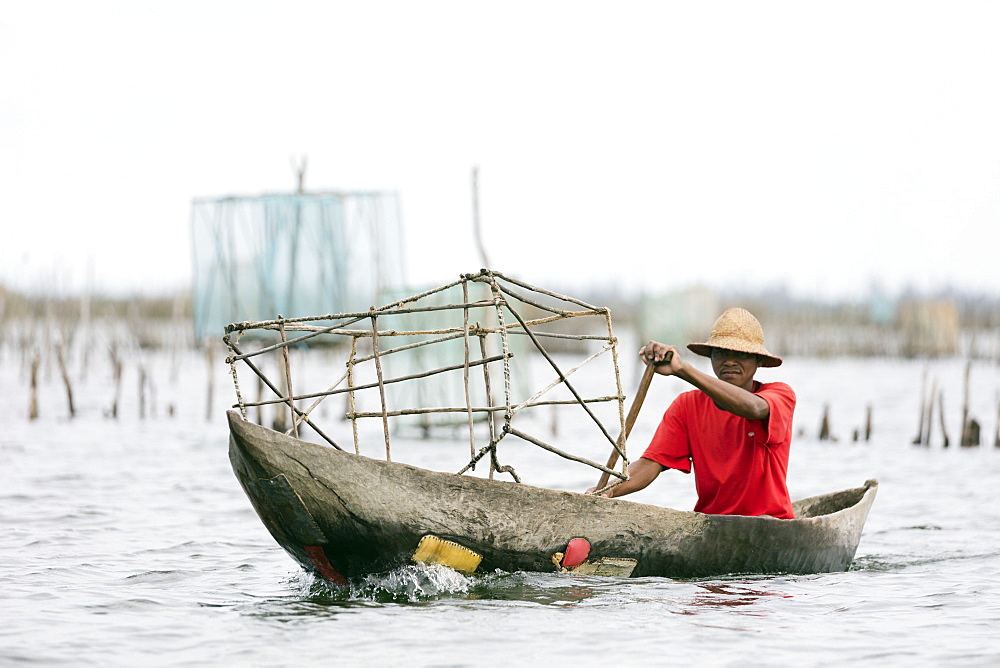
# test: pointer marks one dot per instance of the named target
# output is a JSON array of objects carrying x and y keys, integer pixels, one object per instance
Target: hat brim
[{"x": 737, "y": 345}]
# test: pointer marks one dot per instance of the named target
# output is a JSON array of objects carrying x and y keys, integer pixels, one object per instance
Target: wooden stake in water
[
  {"x": 925, "y": 439},
  {"x": 944, "y": 430},
  {"x": 33, "y": 398},
  {"x": 970, "y": 427},
  {"x": 996, "y": 436},
  {"x": 61, "y": 358},
  {"x": 142, "y": 391},
  {"x": 824, "y": 425},
  {"x": 919, "y": 439},
  {"x": 116, "y": 368},
  {"x": 965, "y": 407}
]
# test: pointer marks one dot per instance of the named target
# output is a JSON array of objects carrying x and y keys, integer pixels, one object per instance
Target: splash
[{"x": 408, "y": 584}]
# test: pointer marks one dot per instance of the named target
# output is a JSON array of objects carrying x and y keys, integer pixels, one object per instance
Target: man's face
[{"x": 734, "y": 367}]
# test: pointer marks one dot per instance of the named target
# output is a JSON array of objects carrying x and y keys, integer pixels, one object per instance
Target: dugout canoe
[{"x": 344, "y": 515}]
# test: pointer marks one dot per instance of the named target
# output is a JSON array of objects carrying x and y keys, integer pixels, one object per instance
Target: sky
[{"x": 830, "y": 148}]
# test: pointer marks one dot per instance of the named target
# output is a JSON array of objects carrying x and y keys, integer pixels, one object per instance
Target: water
[{"x": 129, "y": 542}]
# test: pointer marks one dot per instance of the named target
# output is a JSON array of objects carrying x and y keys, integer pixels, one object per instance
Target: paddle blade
[{"x": 434, "y": 550}]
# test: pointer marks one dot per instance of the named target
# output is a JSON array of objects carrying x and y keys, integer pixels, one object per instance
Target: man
[{"x": 733, "y": 430}]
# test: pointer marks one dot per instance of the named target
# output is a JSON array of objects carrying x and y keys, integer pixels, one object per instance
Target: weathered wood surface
[{"x": 369, "y": 515}]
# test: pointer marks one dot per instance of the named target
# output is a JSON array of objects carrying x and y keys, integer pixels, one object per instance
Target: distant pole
[
  {"x": 300, "y": 174},
  {"x": 476, "y": 226}
]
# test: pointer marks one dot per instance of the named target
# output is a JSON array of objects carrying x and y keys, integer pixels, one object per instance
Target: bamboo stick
[
  {"x": 490, "y": 421},
  {"x": 381, "y": 387},
  {"x": 513, "y": 328},
  {"x": 528, "y": 286},
  {"x": 350, "y": 395},
  {"x": 466, "y": 357},
  {"x": 475, "y": 409},
  {"x": 495, "y": 465},
  {"x": 388, "y": 381},
  {"x": 288, "y": 381},
  {"x": 564, "y": 454}
]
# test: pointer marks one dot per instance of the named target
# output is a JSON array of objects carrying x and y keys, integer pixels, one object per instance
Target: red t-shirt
[{"x": 739, "y": 464}]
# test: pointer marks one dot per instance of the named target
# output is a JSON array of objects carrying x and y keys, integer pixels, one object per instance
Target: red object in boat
[{"x": 577, "y": 551}]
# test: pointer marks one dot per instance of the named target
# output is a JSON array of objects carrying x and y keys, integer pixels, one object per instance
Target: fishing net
[{"x": 293, "y": 254}]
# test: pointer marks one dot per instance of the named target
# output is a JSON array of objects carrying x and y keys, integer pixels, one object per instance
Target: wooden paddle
[{"x": 633, "y": 413}]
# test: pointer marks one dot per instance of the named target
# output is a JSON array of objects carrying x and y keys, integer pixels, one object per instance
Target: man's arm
[
  {"x": 726, "y": 396},
  {"x": 641, "y": 472}
]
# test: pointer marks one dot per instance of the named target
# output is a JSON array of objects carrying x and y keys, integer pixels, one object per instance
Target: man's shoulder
[
  {"x": 690, "y": 395},
  {"x": 777, "y": 385},
  {"x": 777, "y": 388},
  {"x": 692, "y": 398}
]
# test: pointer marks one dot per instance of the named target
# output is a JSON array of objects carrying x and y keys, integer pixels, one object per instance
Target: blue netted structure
[{"x": 293, "y": 254}]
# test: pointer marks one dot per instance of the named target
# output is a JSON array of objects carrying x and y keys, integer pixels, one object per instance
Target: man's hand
[{"x": 666, "y": 358}]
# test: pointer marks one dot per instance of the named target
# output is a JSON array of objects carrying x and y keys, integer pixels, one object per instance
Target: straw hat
[{"x": 738, "y": 330}]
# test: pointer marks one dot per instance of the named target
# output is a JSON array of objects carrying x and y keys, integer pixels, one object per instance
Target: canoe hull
[{"x": 345, "y": 515}]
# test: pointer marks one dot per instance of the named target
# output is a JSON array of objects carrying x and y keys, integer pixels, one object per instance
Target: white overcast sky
[{"x": 826, "y": 146}]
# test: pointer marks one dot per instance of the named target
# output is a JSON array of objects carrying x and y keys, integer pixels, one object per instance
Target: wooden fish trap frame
[{"x": 482, "y": 329}]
